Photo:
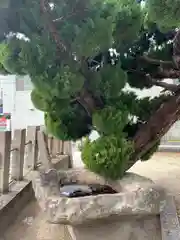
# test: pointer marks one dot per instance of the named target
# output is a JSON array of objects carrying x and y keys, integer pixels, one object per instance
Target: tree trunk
[
  {"x": 159, "y": 123},
  {"x": 89, "y": 102}
]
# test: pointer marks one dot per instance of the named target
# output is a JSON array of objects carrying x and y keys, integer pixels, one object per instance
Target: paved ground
[
  {"x": 163, "y": 168},
  {"x": 31, "y": 225}
]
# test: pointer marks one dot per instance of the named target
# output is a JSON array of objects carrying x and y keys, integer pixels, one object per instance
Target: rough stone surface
[
  {"x": 169, "y": 220},
  {"x": 126, "y": 229},
  {"x": 138, "y": 196}
]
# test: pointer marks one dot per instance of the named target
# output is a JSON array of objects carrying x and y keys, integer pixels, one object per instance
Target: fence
[{"x": 24, "y": 150}]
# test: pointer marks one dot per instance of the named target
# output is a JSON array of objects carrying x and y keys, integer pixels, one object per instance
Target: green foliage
[
  {"x": 77, "y": 83},
  {"x": 3, "y": 71},
  {"x": 113, "y": 79},
  {"x": 71, "y": 123},
  {"x": 10, "y": 56},
  {"x": 64, "y": 84},
  {"x": 107, "y": 156},
  {"x": 94, "y": 36},
  {"x": 38, "y": 100},
  {"x": 164, "y": 12},
  {"x": 110, "y": 121},
  {"x": 129, "y": 21}
]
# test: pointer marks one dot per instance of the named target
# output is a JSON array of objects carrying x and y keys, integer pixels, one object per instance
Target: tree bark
[
  {"x": 51, "y": 27},
  {"x": 157, "y": 62},
  {"x": 176, "y": 49},
  {"x": 159, "y": 123},
  {"x": 88, "y": 102}
]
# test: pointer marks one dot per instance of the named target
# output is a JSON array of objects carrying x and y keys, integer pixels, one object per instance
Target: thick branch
[
  {"x": 167, "y": 73},
  {"x": 170, "y": 87},
  {"x": 46, "y": 11},
  {"x": 160, "y": 122},
  {"x": 65, "y": 18},
  {"x": 160, "y": 74},
  {"x": 156, "y": 82},
  {"x": 88, "y": 101},
  {"x": 165, "y": 69},
  {"x": 176, "y": 49},
  {"x": 156, "y": 62}
]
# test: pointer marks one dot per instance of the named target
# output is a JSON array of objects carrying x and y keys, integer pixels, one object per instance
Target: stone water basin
[
  {"x": 71, "y": 197},
  {"x": 77, "y": 190}
]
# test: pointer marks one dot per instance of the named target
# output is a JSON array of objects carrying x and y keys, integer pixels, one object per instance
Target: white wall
[
  {"x": 8, "y": 84},
  {"x": 19, "y": 104},
  {"x": 24, "y": 114}
]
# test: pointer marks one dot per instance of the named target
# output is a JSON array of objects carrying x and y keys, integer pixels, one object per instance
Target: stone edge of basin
[{"x": 139, "y": 196}]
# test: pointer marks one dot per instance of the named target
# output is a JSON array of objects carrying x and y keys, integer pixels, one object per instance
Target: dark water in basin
[{"x": 78, "y": 190}]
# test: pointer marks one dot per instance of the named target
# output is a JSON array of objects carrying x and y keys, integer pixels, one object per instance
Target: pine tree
[{"x": 81, "y": 54}]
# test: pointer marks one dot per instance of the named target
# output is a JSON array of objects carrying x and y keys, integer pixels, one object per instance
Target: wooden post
[
  {"x": 62, "y": 147},
  {"x": 43, "y": 149},
  {"x": 32, "y": 147},
  {"x": 50, "y": 144},
  {"x": 68, "y": 151},
  {"x": 58, "y": 146},
  {"x": 55, "y": 147},
  {"x": 70, "y": 155},
  {"x": 65, "y": 148},
  {"x": 18, "y": 148},
  {"x": 5, "y": 147}
]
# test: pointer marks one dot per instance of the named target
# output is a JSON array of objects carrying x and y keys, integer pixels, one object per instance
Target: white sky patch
[
  {"x": 18, "y": 35},
  {"x": 52, "y": 6},
  {"x": 143, "y": 3},
  {"x": 22, "y": 36},
  {"x": 150, "y": 92}
]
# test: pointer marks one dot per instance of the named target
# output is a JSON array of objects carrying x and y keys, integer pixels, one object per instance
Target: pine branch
[
  {"x": 52, "y": 29},
  {"x": 170, "y": 87},
  {"x": 156, "y": 62},
  {"x": 166, "y": 73},
  {"x": 167, "y": 86},
  {"x": 159, "y": 75},
  {"x": 158, "y": 81},
  {"x": 71, "y": 14}
]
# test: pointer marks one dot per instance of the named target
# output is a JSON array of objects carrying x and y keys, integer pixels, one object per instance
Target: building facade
[{"x": 17, "y": 101}]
